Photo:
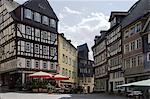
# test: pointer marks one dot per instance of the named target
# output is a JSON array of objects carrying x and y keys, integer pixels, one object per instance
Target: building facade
[
  {"x": 127, "y": 44},
  {"x": 135, "y": 29},
  {"x": 67, "y": 61},
  {"x": 101, "y": 76},
  {"x": 28, "y": 40},
  {"x": 114, "y": 52},
  {"x": 85, "y": 69}
]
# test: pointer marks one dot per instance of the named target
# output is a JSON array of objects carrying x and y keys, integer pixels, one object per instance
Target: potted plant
[
  {"x": 50, "y": 88},
  {"x": 34, "y": 87},
  {"x": 40, "y": 86},
  {"x": 44, "y": 88}
]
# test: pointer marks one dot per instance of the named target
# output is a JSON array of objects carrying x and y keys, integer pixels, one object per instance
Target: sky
[{"x": 82, "y": 20}]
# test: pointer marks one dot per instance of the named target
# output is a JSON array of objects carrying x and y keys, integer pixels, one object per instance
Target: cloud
[
  {"x": 85, "y": 30},
  {"x": 61, "y": 16},
  {"x": 67, "y": 9},
  {"x": 81, "y": 25}
]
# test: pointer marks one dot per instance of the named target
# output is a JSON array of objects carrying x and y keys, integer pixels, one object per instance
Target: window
[
  {"x": 37, "y": 64},
  {"x": 126, "y": 48},
  {"x": 28, "y": 14},
  {"x": 44, "y": 50},
  {"x": 53, "y": 37},
  {"x": 37, "y": 17},
  {"x": 133, "y": 62},
  {"x": 52, "y": 65},
  {"x": 132, "y": 46},
  {"x": 139, "y": 43},
  {"x": 45, "y": 20},
  {"x": 27, "y": 47},
  {"x": 37, "y": 48},
  {"x": 63, "y": 58},
  {"x": 45, "y": 65},
  {"x": 28, "y": 63},
  {"x": 52, "y": 51},
  {"x": 28, "y": 30},
  {"x": 37, "y": 33},
  {"x": 148, "y": 56},
  {"x": 44, "y": 35},
  {"x": 52, "y": 23}
]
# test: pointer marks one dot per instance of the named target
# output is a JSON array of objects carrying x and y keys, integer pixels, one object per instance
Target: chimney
[
  {"x": 62, "y": 34},
  {"x": 69, "y": 41}
]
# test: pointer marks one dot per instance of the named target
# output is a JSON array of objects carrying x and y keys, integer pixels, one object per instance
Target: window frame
[
  {"x": 37, "y": 63},
  {"x": 37, "y": 17},
  {"x": 28, "y": 14},
  {"x": 30, "y": 64},
  {"x": 45, "y": 20},
  {"x": 53, "y": 23},
  {"x": 45, "y": 63},
  {"x": 28, "y": 31},
  {"x": 37, "y": 51},
  {"x": 27, "y": 47}
]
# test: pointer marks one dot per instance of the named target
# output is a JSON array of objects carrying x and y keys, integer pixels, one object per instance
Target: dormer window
[
  {"x": 52, "y": 23},
  {"x": 28, "y": 14},
  {"x": 113, "y": 22},
  {"x": 45, "y": 20},
  {"x": 37, "y": 17}
]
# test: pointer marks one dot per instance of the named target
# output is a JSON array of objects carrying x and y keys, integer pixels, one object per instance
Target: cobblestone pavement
[{"x": 57, "y": 96}]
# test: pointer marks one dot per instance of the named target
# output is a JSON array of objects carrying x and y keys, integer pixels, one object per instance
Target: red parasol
[
  {"x": 60, "y": 77},
  {"x": 41, "y": 75}
]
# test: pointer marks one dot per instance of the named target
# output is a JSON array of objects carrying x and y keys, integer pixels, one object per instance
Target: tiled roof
[{"x": 139, "y": 9}]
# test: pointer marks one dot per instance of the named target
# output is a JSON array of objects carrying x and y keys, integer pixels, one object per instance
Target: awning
[{"x": 143, "y": 83}]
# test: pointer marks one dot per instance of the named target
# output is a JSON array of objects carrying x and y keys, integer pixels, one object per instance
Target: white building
[{"x": 28, "y": 40}]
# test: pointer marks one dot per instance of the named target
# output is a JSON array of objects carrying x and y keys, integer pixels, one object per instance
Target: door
[
  {"x": 88, "y": 89},
  {"x": 111, "y": 86}
]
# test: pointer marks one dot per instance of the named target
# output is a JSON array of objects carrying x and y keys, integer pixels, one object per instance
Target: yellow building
[{"x": 67, "y": 61}]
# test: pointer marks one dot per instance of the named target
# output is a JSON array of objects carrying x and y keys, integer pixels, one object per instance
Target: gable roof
[
  {"x": 117, "y": 13},
  {"x": 139, "y": 9},
  {"x": 41, "y": 6}
]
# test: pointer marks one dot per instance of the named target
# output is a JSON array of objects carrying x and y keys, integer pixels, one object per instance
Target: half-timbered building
[{"x": 28, "y": 40}]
